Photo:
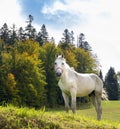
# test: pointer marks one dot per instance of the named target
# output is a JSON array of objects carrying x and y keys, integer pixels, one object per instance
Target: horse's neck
[{"x": 66, "y": 74}]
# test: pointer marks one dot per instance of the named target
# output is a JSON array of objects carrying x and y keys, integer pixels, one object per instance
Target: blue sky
[
  {"x": 99, "y": 20},
  {"x": 50, "y": 12}
]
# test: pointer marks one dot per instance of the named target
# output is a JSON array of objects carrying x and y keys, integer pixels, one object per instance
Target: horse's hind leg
[
  {"x": 66, "y": 100},
  {"x": 96, "y": 100},
  {"x": 98, "y": 105}
]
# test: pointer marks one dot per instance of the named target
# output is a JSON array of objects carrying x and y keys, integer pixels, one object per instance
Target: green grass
[
  {"x": 111, "y": 111},
  {"x": 24, "y": 118}
]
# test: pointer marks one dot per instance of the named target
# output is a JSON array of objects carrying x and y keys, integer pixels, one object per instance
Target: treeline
[{"x": 27, "y": 57}]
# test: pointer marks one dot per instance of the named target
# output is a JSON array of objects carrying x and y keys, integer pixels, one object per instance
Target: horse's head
[{"x": 59, "y": 65}]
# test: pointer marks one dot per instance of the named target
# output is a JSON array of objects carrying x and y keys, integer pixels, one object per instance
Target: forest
[{"x": 27, "y": 76}]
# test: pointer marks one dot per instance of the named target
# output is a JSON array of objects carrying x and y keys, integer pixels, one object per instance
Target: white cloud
[
  {"x": 10, "y": 13},
  {"x": 57, "y": 5}
]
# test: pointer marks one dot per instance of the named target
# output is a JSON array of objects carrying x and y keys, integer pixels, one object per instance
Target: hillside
[{"x": 25, "y": 118}]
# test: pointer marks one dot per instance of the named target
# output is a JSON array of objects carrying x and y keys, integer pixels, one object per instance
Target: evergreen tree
[
  {"x": 1, "y": 50},
  {"x": 72, "y": 38},
  {"x": 5, "y": 33},
  {"x": 82, "y": 43},
  {"x": 44, "y": 33},
  {"x": 30, "y": 31},
  {"x": 111, "y": 84},
  {"x": 21, "y": 34},
  {"x": 52, "y": 40},
  {"x": 67, "y": 39},
  {"x": 42, "y": 36},
  {"x": 118, "y": 80},
  {"x": 13, "y": 35},
  {"x": 118, "y": 77},
  {"x": 39, "y": 39},
  {"x": 47, "y": 55}
]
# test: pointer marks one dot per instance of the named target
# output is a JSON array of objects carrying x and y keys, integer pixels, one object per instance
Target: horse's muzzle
[{"x": 58, "y": 74}]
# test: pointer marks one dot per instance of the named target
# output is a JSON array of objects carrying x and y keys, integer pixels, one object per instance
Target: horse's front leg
[
  {"x": 66, "y": 100},
  {"x": 73, "y": 100}
]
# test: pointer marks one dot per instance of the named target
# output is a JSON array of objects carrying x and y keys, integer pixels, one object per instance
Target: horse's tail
[{"x": 104, "y": 95}]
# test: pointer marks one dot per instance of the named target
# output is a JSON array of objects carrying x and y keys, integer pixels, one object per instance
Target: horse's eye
[
  {"x": 55, "y": 63},
  {"x": 62, "y": 63}
]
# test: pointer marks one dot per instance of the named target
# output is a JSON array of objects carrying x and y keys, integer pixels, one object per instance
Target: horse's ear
[
  {"x": 62, "y": 56},
  {"x": 56, "y": 56}
]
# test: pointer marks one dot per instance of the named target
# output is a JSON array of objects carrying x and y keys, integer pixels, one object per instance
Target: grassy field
[{"x": 25, "y": 118}]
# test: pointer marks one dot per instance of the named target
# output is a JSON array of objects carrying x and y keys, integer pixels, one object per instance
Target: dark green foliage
[
  {"x": 42, "y": 36},
  {"x": 13, "y": 35},
  {"x": 67, "y": 39},
  {"x": 4, "y": 33},
  {"x": 21, "y": 35},
  {"x": 82, "y": 43},
  {"x": 47, "y": 55},
  {"x": 30, "y": 31},
  {"x": 111, "y": 85}
]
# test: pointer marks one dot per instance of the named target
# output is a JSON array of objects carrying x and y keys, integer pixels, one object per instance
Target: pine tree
[
  {"x": 82, "y": 43},
  {"x": 47, "y": 55},
  {"x": 5, "y": 33},
  {"x": 13, "y": 35},
  {"x": 21, "y": 34},
  {"x": 67, "y": 39},
  {"x": 118, "y": 80},
  {"x": 30, "y": 30},
  {"x": 42, "y": 36},
  {"x": 111, "y": 84},
  {"x": 72, "y": 37},
  {"x": 39, "y": 39}
]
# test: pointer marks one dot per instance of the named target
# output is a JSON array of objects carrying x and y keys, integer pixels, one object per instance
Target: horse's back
[
  {"x": 88, "y": 83},
  {"x": 85, "y": 84}
]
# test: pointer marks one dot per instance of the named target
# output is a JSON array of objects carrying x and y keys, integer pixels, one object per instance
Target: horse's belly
[
  {"x": 84, "y": 93},
  {"x": 84, "y": 90}
]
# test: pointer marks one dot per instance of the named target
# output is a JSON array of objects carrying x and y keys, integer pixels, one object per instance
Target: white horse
[{"x": 78, "y": 85}]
